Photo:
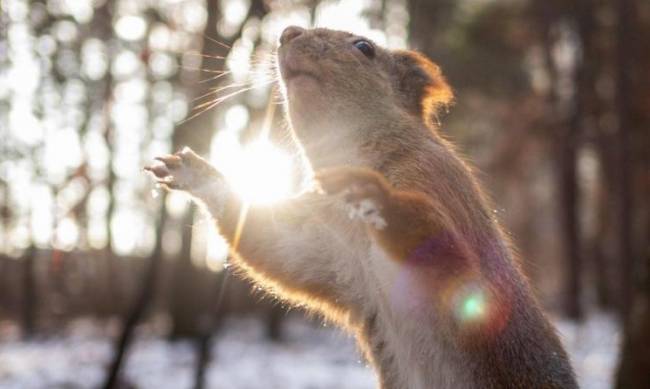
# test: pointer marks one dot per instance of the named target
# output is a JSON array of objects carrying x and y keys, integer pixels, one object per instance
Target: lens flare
[
  {"x": 260, "y": 172},
  {"x": 473, "y": 307},
  {"x": 263, "y": 174},
  {"x": 470, "y": 303}
]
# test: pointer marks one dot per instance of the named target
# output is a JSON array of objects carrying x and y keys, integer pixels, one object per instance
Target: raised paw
[
  {"x": 364, "y": 192},
  {"x": 184, "y": 170}
]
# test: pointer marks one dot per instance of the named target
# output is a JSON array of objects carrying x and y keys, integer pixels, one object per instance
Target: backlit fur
[{"x": 422, "y": 273}]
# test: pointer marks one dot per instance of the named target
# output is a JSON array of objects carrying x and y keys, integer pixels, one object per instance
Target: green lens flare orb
[{"x": 471, "y": 306}]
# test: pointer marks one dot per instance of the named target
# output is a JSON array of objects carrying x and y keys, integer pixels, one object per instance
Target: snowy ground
[
  {"x": 593, "y": 347},
  {"x": 310, "y": 358}
]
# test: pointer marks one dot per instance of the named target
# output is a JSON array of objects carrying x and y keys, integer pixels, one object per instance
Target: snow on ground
[
  {"x": 593, "y": 347},
  {"x": 310, "y": 358}
]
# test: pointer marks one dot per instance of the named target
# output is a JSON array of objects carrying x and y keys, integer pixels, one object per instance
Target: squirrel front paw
[
  {"x": 184, "y": 170},
  {"x": 365, "y": 192}
]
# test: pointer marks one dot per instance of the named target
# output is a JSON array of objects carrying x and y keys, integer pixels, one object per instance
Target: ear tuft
[{"x": 422, "y": 86}]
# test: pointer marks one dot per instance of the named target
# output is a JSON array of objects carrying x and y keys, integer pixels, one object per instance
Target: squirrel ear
[{"x": 422, "y": 86}]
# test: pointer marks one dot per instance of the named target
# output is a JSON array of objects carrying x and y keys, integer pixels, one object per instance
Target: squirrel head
[{"x": 334, "y": 79}]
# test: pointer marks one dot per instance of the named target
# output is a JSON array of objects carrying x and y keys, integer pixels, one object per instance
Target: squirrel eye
[{"x": 365, "y": 47}]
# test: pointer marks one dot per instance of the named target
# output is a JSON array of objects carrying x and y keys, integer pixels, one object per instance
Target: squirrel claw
[
  {"x": 184, "y": 170},
  {"x": 170, "y": 160},
  {"x": 158, "y": 170}
]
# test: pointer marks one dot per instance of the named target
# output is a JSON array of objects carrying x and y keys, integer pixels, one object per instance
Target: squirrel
[{"x": 396, "y": 242}]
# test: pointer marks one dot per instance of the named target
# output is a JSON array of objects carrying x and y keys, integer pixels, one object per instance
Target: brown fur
[{"x": 366, "y": 125}]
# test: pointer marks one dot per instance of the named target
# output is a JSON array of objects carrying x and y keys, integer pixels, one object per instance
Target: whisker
[
  {"x": 213, "y": 103},
  {"x": 236, "y": 85},
  {"x": 219, "y": 57},
  {"x": 216, "y": 41},
  {"x": 263, "y": 72},
  {"x": 217, "y": 90},
  {"x": 269, "y": 78},
  {"x": 221, "y": 74},
  {"x": 203, "y": 70}
]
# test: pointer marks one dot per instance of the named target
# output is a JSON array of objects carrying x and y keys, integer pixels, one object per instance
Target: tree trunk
[
  {"x": 598, "y": 251},
  {"x": 634, "y": 365},
  {"x": 624, "y": 106},
  {"x": 109, "y": 293},
  {"x": 211, "y": 322},
  {"x": 565, "y": 130},
  {"x": 29, "y": 293},
  {"x": 274, "y": 323},
  {"x": 196, "y": 133},
  {"x": 149, "y": 277},
  {"x": 570, "y": 141},
  {"x": 427, "y": 21},
  {"x": 632, "y": 90},
  {"x": 568, "y": 187},
  {"x": 185, "y": 307}
]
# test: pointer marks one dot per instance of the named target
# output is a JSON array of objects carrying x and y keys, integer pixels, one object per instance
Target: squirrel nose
[{"x": 289, "y": 33}]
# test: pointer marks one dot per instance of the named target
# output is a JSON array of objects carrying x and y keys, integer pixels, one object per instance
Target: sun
[
  {"x": 259, "y": 172},
  {"x": 262, "y": 173}
]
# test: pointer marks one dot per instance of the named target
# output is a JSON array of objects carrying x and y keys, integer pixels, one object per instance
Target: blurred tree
[
  {"x": 139, "y": 307},
  {"x": 203, "y": 320},
  {"x": 489, "y": 52},
  {"x": 29, "y": 292},
  {"x": 563, "y": 27},
  {"x": 566, "y": 99},
  {"x": 188, "y": 311},
  {"x": 104, "y": 103},
  {"x": 633, "y": 142}
]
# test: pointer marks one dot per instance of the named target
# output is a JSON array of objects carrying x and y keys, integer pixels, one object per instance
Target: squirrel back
[{"x": 378, "y": 109}]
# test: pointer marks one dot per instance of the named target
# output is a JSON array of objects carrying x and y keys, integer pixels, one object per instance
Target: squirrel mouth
[{"x": 291, "y": 67}]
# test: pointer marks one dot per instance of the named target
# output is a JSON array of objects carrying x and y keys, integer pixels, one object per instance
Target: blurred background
[{"x": 107, "y": 282}]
